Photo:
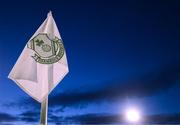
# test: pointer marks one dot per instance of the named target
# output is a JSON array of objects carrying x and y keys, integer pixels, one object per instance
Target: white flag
[{"x": 42, "y": 64}]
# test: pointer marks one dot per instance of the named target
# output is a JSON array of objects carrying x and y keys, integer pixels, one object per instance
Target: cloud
[
  {"x": 29, "y": 116},
  {"x": 25, "y": 117},
  {"x": 5, "y": 117},
  {"x": 96, "y": 119},
  {"x": 152, "y": 83},
  {"x": 116, "y": 119},
  {"x": 162, "y": 119},
  {"x": 149, "y": 84}
]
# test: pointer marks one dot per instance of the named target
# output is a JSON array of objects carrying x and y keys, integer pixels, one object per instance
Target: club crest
[{"x": 48, "y": 50}]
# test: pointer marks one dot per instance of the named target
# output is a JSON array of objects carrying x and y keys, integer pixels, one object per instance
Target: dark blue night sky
[{"x": 121, "y": 54}]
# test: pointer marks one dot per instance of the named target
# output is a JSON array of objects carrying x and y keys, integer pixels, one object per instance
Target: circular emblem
[{"x": 47, "y": 50}]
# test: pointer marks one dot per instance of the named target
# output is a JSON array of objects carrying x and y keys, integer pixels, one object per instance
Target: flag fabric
[{"x": 43, "y": 63}]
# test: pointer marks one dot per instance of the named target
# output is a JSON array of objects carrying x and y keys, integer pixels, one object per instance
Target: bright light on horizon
[{"x": 132, "y": 115}]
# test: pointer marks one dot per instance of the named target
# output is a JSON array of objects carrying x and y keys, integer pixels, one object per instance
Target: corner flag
[{"x": 42, "y": 64}]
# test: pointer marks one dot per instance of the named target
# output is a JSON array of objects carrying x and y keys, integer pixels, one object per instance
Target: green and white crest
[{"x": 48, "y": 49}]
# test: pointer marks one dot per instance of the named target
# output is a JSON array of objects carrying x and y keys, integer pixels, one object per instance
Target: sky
[{"x": 121, "y": 54}]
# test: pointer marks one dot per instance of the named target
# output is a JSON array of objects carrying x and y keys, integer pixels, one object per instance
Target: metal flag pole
[
  {"x": 44, "y": 104},
  {"x": 44, "y": 112}
]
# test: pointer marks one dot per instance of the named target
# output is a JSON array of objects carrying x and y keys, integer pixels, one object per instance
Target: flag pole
[
  {"x": 44, "y": 104},
  {"x": 48, "y": 71},
  {"x": 44, "y": 111}
]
